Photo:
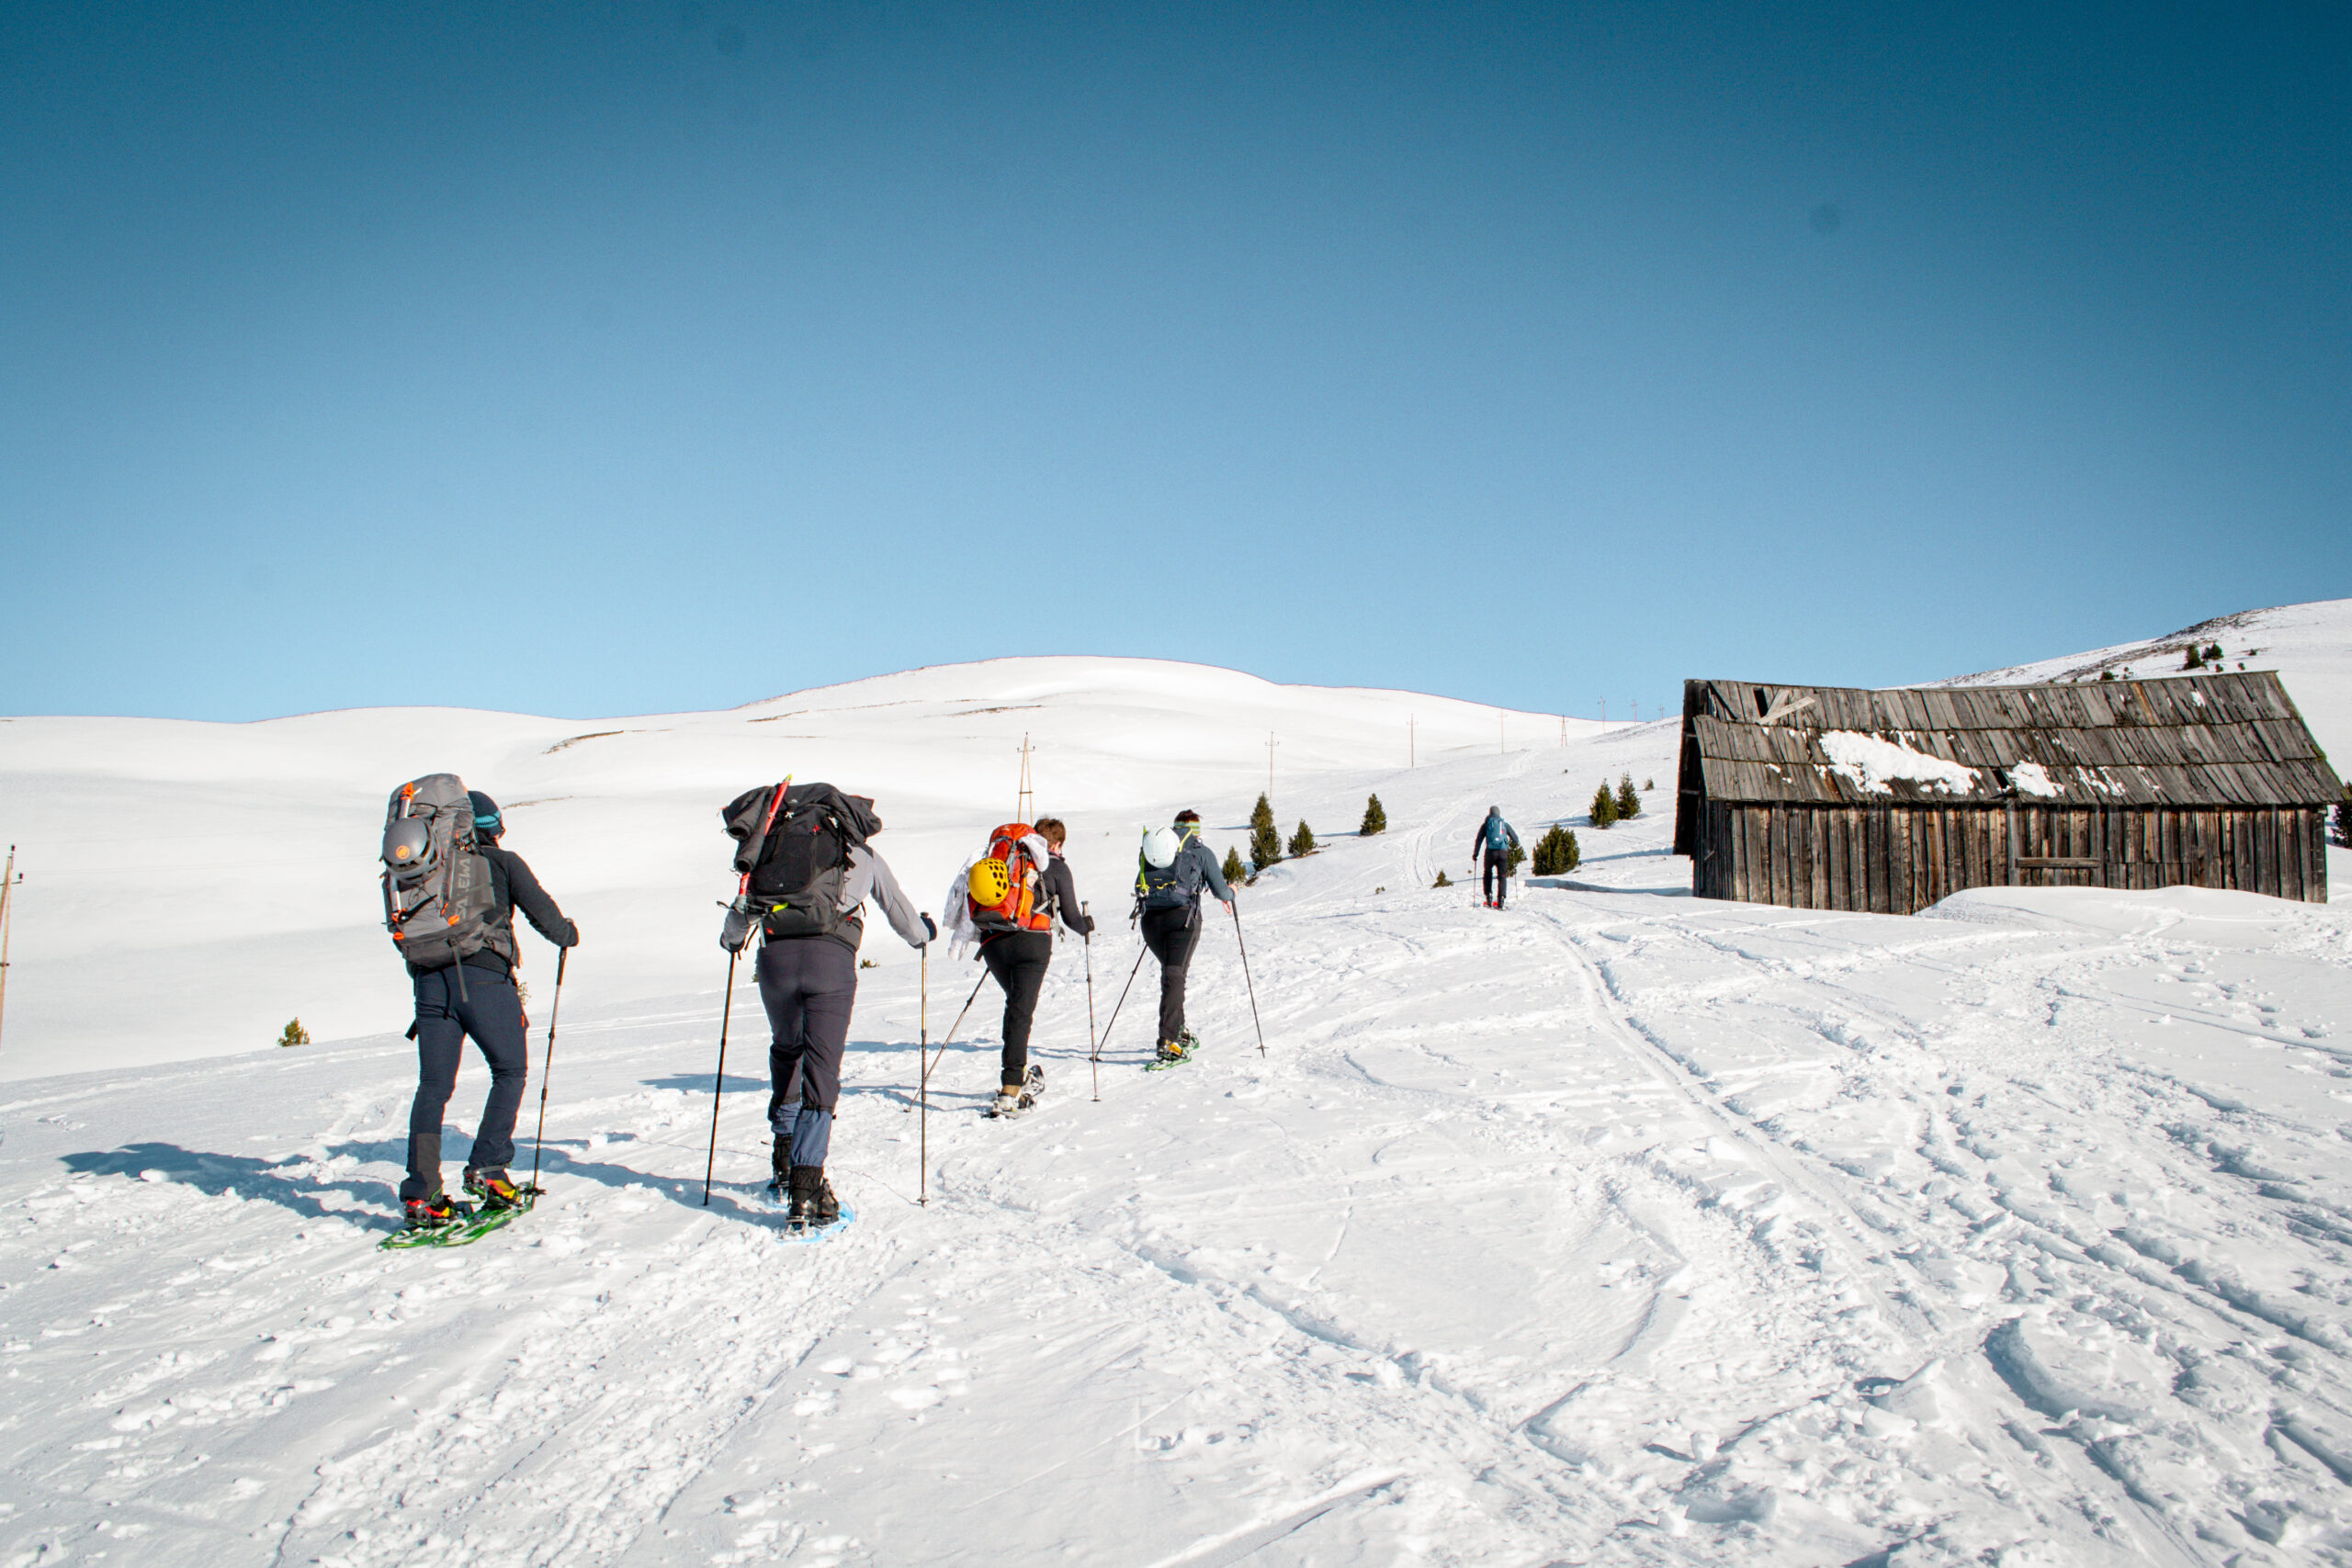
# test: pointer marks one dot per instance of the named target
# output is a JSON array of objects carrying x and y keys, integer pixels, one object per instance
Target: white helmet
[{"x": 1159, "y": 846}]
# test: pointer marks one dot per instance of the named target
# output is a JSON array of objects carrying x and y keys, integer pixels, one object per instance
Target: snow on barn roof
[{"x": 2209, "y": 741}]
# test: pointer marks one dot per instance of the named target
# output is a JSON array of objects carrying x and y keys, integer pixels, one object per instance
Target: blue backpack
[{"x": 1497, "y": 836}]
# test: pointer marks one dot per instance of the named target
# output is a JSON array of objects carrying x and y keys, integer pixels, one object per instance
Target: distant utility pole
[
  {"x": 1564, "y": 729},
  {"x": 1271, "y": 744},
  {"x": 1411, "y": 758},
  {"x": 1028, "y": 795},
  {"x": 8, "y": 881},
  {"x": 1604, "y": 710}
]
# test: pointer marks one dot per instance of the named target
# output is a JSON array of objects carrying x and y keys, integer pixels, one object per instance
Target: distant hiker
[
  {"x": 1008, "y": 900},
  {"x": 1495, "y": 837},
  {"x": 811, "y": 871},
  {"x": 450, "y": 894},
  {"x": 1175, "y": 867}
]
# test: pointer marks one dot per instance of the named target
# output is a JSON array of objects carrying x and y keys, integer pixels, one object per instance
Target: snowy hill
[{"x": 1613, "y": 1227}]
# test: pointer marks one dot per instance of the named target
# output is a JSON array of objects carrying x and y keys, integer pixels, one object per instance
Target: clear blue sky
[{"x": 596, "y": 359}]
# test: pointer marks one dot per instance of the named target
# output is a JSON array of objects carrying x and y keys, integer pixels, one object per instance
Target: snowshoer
[
  {"x": 811, "y": 873},
  {"x": 1008, "y": 900},
  {"x": 1176, "y": 866},
  {"x": 1496, "y": 839},
  {"x": 476, "y": 997}
]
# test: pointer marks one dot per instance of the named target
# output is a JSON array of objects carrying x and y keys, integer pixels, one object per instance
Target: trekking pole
[
  {"x": 554, "y": 1006},
  {"x": 922, "y": 1058},
  {"x": 1093, "y": 1048},
  {"x": 1122, "y": 998},
  {"x": 718, "y": 1084},
  {"x": 923, "y": 1195},
  {"x": 727, "y": 1009},
  {"x": 1247, "y": 981}
]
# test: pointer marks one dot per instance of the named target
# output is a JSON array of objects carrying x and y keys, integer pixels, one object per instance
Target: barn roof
[{"x": 2213, "y": 740}]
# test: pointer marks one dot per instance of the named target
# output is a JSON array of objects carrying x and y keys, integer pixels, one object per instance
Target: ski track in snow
[{"x": 1614, "y": 1227}]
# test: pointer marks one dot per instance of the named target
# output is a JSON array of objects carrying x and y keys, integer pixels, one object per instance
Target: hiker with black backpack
[
  {"x": 1496, "y": 839},
  {"x": 1007, "y": 900},
  {"x": 810, "y": 873},
  {"x": 1174, "y": 870},
  {"x": 450, "y": 893}
]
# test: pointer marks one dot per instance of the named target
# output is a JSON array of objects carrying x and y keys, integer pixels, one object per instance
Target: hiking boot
[
  {"x": 1007, "y": 1100},
  {"x": 1177, "y": 1050},
  {"x": 813, "y": 1203},
  {"x": 780, "y": 1161},
  {"x": 432, "y": 1214},
  {"x": 496, "y": 1191},
  {"x": 823, "y": 1208}
]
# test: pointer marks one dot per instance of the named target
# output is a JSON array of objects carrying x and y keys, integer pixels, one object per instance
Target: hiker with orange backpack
[{"x": 1008, "y": 900}]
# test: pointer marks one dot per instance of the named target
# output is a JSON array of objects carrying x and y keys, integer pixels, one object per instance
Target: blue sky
[{"x": 596, "y": 359}]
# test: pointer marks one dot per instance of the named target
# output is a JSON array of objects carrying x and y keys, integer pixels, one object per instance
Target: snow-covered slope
[
  {"x": 1613, "y": 1227},
  {"x": 191, "y": 888},
  {"x": 2309, "y": 645}
]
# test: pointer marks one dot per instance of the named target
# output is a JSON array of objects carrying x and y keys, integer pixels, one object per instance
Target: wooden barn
[{"x": 1821, "y": 797}]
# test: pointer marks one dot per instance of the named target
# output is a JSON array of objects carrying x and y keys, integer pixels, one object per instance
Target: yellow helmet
[{"x": 991, "y": 882}]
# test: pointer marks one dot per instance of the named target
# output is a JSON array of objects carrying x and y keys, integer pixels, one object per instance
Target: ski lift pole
[
  {"x": 1247, "y": 981},
  {"x": 555, "y": 1006}
]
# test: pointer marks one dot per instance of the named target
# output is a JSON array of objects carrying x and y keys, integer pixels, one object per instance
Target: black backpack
[{"x": 798, "y": 866}]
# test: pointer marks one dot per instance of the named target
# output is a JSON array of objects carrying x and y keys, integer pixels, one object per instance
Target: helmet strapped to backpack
[
  {"x": 1010, "y": 872},
  {"x": 438, "y": 895},
  {"x": 1166, "y": 877}
]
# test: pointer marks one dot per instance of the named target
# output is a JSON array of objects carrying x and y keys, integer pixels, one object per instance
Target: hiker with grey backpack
[
  {"x": 1174, "y": 868},
  {"x": 808, "y": 872},
  {"x": 450, "y": 893}
]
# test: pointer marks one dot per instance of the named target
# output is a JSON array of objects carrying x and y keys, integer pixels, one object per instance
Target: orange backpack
[{"x": 1022, "y": 908}]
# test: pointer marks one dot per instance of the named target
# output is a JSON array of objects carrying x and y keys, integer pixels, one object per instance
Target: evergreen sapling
[
  {"x": 1375, "y": 820},
  {"x": 1233, "y": 868},
  {"x": 294, "y": 1034},
  {"x": 1604, "y": 806},
  {"x": 1629, "y": 799},
  {"x": 1265, "y": 840},
  {"x": 1556, "y": 852},
  {"x": 1303, "y": 842}
]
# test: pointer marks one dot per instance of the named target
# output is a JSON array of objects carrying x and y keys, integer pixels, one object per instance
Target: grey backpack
[{"x": 438, "y": 900}]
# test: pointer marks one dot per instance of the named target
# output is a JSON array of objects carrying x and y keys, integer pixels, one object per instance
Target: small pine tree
[
  {"x": 1629, "y": 799},
  {"x": 1604, "y": 806},
  {"x": 1556, "y": 852},
  {"x": 2212, "y": 653},
  {"x": 1375, "y": 820},
  {"x": 1649, "y": 783},
  {"x": 1265, "y": 840},
  {"x": 1233, "y": 868},
  {"x": 1303, "y": 842},
  {"x": 1517, "y": 855},
  {"x": 2107, "y": 674},
  {"x": 294, "y": 1034},
  {"x": 2196, "y": 660},
  {"x": 1442, "y": 881}
]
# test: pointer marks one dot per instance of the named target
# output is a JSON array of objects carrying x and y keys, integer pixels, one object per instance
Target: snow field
[{"x": 1613, "y": 1227}]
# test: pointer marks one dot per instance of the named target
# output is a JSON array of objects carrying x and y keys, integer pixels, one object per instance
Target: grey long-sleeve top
[{"x": 869, "y": 876}]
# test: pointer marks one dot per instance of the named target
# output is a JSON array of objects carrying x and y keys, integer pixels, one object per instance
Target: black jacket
[{"x": 512, "y": 886}]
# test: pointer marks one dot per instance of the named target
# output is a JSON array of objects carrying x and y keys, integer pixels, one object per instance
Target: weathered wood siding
[{"x": 1900, "y": 859}]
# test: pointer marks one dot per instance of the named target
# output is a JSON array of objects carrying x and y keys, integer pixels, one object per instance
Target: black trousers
[
  {"x": 1497, "y": 880},
  {"x": 808, "y": 984},
  {"x": 1172, "y": 934},
  {"x": 492, "y": 1012},
  {"x": 1017, "y": 960}
]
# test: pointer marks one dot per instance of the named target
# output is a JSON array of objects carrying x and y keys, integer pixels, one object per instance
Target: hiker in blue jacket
[{"x": 1496, "y": 839}]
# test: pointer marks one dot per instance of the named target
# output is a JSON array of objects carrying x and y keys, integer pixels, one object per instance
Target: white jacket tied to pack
[{"x": 439, "y": 897}]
